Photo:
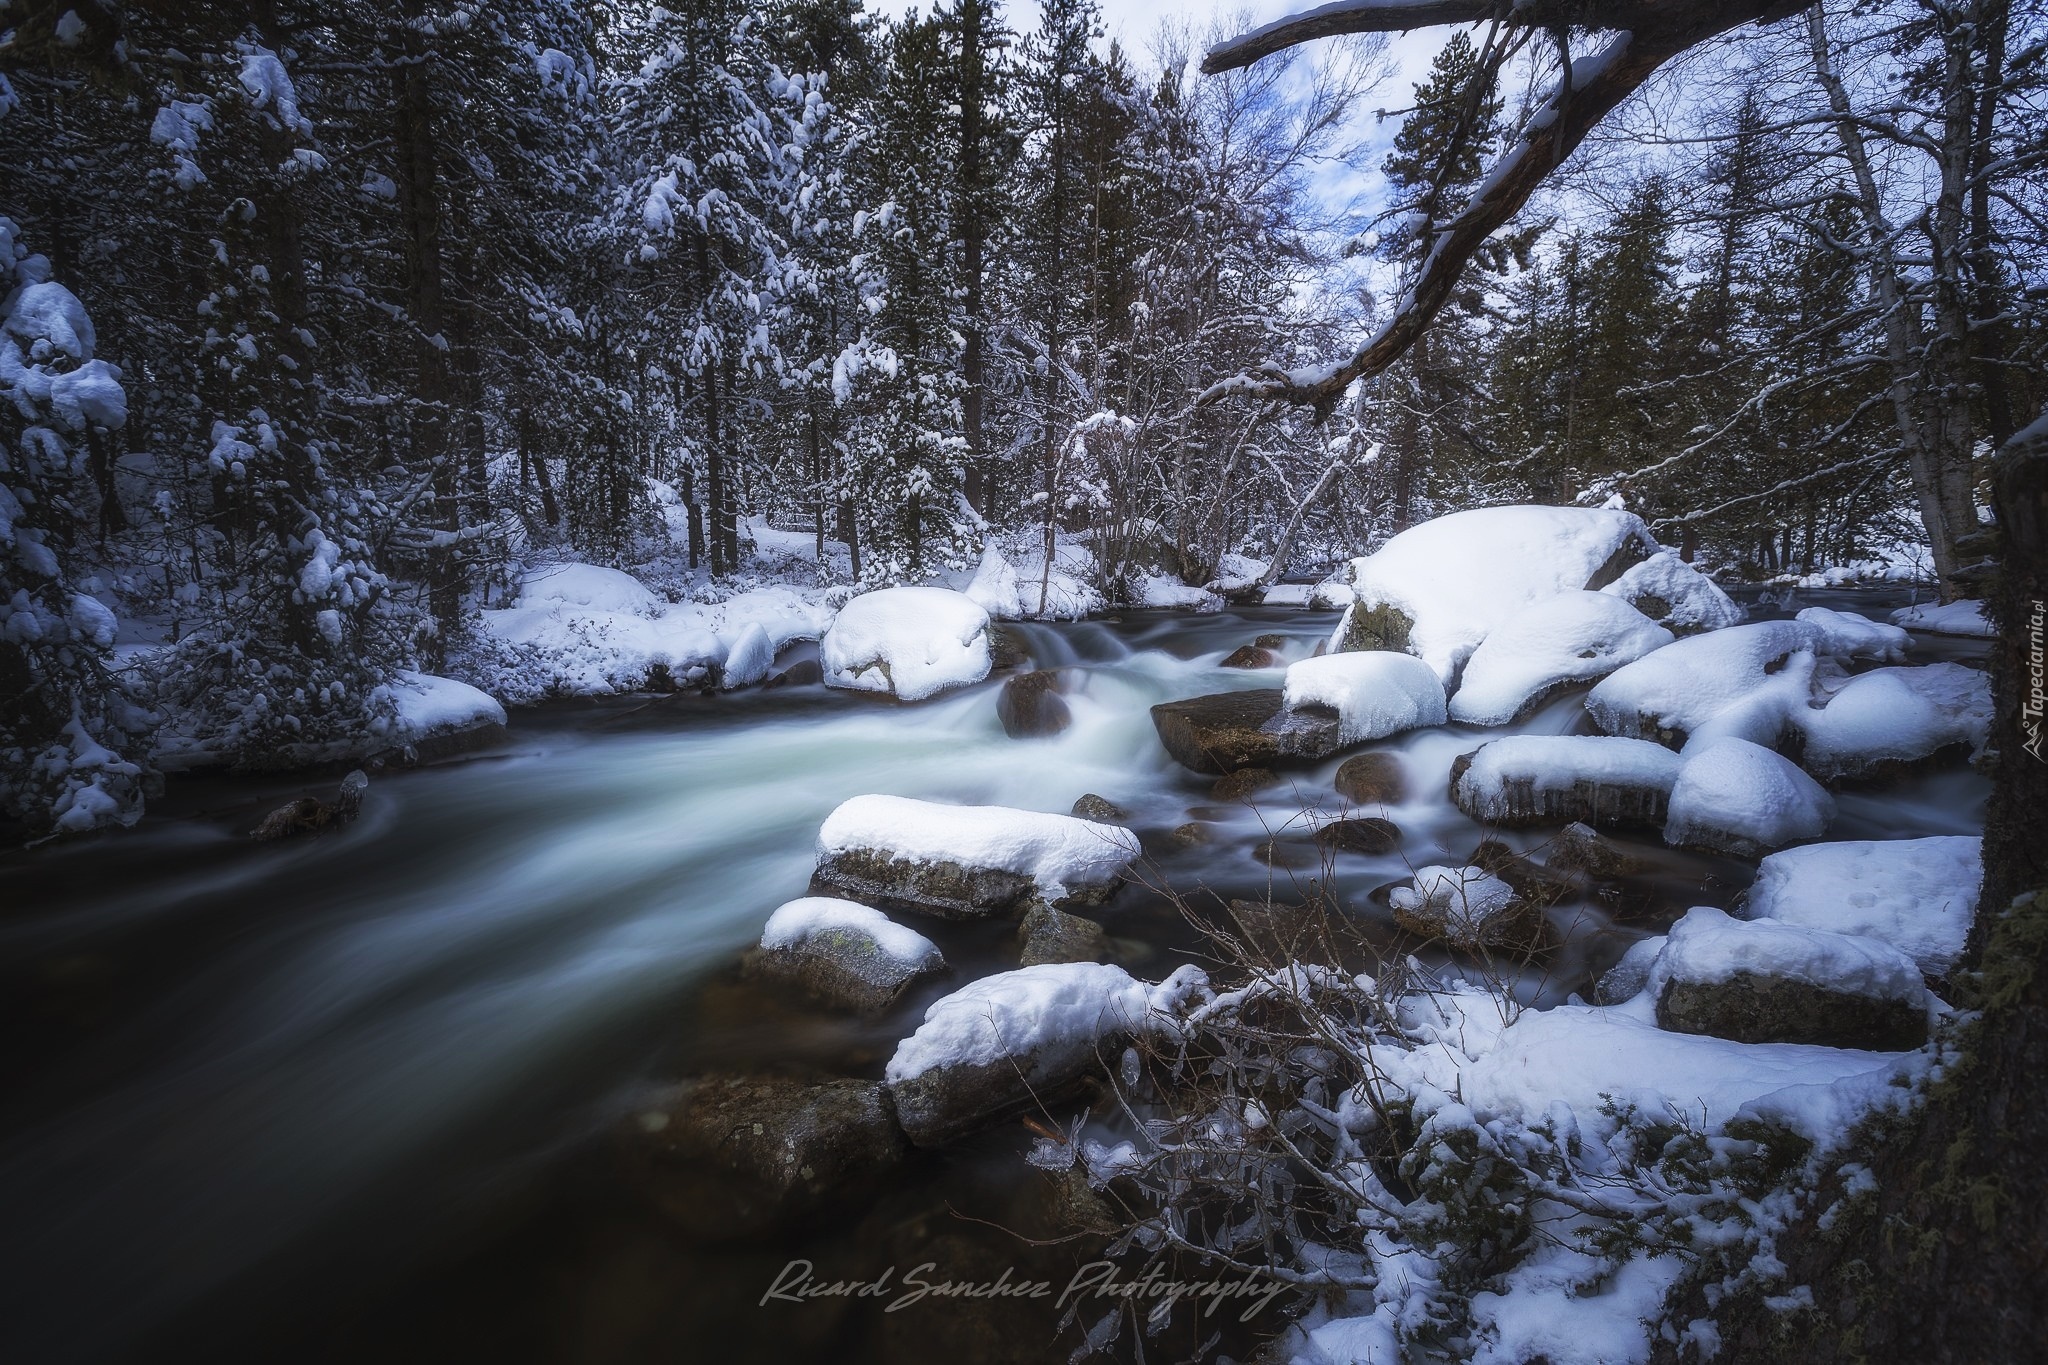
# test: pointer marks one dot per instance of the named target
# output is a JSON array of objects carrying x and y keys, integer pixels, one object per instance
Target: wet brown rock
[
  {"x": 1242, "y": 783},
  {"x": 1372, "y": 836},
  {"x": 1372, "y": 779},
  {"x": 1231, "y": 730},
  {"x": 742, "y": 1155},
  {"x": 1030, "y": 706},
  {"x": 1271, "y": 642},
  {"x": 1250, "y": 656},
  {"x": 1051, "y": 936},
  {"x": 1103, "y": 811}
]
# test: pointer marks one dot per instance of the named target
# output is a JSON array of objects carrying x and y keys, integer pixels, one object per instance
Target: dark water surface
[{"x": 356, "y": 1096}]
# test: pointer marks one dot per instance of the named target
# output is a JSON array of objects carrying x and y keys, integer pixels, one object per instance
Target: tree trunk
[{"x": 973, "y": 233}]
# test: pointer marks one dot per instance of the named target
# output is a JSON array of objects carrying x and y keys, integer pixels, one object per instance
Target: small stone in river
[
  {"x": 1191, "y": 834},
  {"x": 1030, "y": 707},
  {"x": 1288, "y": 851},
  {"x": 1100, "y": 809},
  {"x": 309, "y": 815},
  {"x": 1271, "y": 641},
  {"x": 802, "y": 673},
  {"x": 1242, "y": 783},
  {"x": 1250, "y": 656},
  {"x": 1372, "y": 836},
  {"x": 1580, "y": 847},
  {"x": 1372, "y": 779},
  {"x": 1050, "y": 936}
]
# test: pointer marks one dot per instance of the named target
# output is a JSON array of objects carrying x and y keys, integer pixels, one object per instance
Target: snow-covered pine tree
[
  {"x": 709, "y": 127},
  {"x": 65, "y": 718},
  {"x": 291, "y": 663}
]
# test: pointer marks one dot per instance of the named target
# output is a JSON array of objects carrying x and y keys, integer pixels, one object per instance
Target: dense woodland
[{"x": 326, "y": 319}]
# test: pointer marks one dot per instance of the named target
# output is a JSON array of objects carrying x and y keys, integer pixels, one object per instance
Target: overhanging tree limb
[{"x": 1644, "y": 36}]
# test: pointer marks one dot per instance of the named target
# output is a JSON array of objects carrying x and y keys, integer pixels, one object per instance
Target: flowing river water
[{"x": 351, "y": 1096}]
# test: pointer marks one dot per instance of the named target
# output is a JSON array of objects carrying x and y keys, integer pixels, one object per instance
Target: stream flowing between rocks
[{"x": 358, "y": 1096}]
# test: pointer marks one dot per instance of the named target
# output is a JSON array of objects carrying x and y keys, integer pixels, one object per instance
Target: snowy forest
[{"x": 1374, "y": 672}]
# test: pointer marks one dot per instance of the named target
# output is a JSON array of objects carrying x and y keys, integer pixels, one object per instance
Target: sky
[{"x": 1133, "y": 23}]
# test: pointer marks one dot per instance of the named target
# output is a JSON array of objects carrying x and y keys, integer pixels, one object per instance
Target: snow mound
[
  {"x": 800, "y": 921},
  {"x": 1949, "y": 618},
  {"x": 1673, "y": 593},
  {"x": 1741, "y": 798},
  {"x": 1053, "y": 1008},
  {"x": 749, "y": 656},
  {"x": 1012, "y": 592},
  {"x": 1848, "y": 635},
  {"x": 1288, "y": 595},
  {"x": 1374, "y": 692},
  {"x": 1896, "y": 715},
  {"x": 1919, "y": 895},
  {"x": 1235, "y": 573},
  {"x": 1165, "y": 591},
  {"x": 1710, "y": 947},
  {"x": 1458, "y": 577},
  {"x": 1059, "y": 852},
  {"x": 1744, "y": 680},
  {"x": 427, "y": 705},
  {"x": 912, "y": 642},
  {"x": 588, "y": 586},
  {"x": 1572, "y": 637},
  {"x": 583, "y": 630}
]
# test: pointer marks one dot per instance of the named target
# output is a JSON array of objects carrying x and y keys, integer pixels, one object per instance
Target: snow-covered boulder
[
  {"x": 1165, "y": 592},
  {"x": 1763, "y": 981},
  {"x": 1919, "y": 895},
  {"x": 1847, "y": 635},
  {"x": 1015, "y": 1041},
  {"x": 967, "y": 862},
  {"x": 438, "y": 718},
  {"x": 1573, "y": 637},
  {"x": 845, "y": 954},
  {"x": 590, "y": 587},
  {"x": 1602, "y": 781},
  {"x": 1946, "y": 618},
  {"x": 1891, "y": 718},
  {"x": 1675, "y": 595},
  {"x": 1373, "y": 692},
  {"x": 910, "y": 642},
  {"x": 1744, "y": 680},
  {"x": 1466, "y": 907},
  {"x": 1740, "y": 798},
  {"x": 1438, "y": 589},
  {"x": 1228, "y": 732},
  {"x": 749, "y": 657}
]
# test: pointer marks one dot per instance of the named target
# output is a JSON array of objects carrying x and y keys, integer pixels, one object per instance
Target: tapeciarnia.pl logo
[
  {"x": 797, "y": 1282},
  {"x": 2035, "y": 702}
]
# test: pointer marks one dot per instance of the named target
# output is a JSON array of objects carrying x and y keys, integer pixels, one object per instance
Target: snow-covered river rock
[{"x": 346, "y": 1074}]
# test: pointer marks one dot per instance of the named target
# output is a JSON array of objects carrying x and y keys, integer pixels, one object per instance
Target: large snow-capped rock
[
  {"x": 1437, "y": 590},
  {"x": 1603, "y": 781},
  {"x": 1888, "y": 718},
  {"x": 1026, "y": 591},
  {"x": 910, "y": 642},
  {"x": 435, "y": 718},
  {"x": 1847, "y": 635},
  {"x": 967, "y": 862},
  {"x": 1736, "y": 797},
  {"x": 1919, "y": 895},
  {"x": 845, "y": 954},
  {"x": 1373, "y": 692},
  {"x": 1674, "y": 594},
  {"x": 1764, "y": 981},
  {"x": 1018, "y": 1040},
  {"x": 1744, "y": 680},
  {"x": 1571, "y": 638}
]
